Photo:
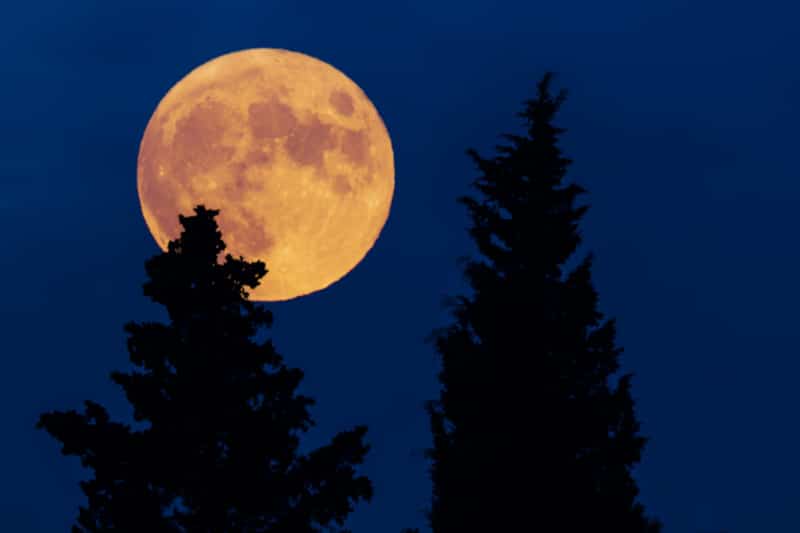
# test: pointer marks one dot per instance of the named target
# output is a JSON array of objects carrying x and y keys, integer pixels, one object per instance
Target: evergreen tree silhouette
[
  {"x": 533, "y": 429},
  {"x": 219, "y": 450}
]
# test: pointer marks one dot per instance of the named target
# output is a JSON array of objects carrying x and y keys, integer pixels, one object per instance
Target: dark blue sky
[{"x": 682, "y": 122}]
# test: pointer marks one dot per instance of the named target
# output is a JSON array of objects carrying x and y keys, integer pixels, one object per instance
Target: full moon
[{"x": 288, "y": 148}]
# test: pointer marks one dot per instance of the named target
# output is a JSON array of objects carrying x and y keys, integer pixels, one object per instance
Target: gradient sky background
[{"x": 682, "y": 122}]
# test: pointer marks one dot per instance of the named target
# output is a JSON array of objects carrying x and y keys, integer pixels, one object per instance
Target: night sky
[{"x": 682, "y": 123}]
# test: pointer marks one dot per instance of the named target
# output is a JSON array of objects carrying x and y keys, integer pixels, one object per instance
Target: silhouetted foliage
[
  {"x": 533, "y": 429},
  {"x": 219, "y": 450}
]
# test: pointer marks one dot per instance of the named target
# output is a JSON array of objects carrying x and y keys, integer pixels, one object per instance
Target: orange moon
[{"x": 288, "y": 148}]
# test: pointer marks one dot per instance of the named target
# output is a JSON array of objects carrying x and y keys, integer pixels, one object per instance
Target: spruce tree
[
  {"x": 219, "y": 421},
  {"x": 534, "y": 428}
]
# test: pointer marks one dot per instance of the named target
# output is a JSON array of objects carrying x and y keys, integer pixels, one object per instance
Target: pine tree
[
  {"x": 534, "y": 428},
  {"x": 221, "y": 421}
]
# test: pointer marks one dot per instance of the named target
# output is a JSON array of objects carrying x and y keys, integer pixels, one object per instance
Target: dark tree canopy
[
  {"x": 218, "y": 451},
  {"x": 534, "y": 429}
]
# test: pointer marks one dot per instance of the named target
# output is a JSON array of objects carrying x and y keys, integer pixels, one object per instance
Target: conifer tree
[
  {"x": 534, "y": 429},
  {"x": 220, "y": 422}
]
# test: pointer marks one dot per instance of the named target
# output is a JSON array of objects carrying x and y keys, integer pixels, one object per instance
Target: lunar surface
[{"x": 288, "y": 148}]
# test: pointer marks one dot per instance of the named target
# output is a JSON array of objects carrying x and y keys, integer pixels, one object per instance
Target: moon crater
[{"x": 342, "y": 102}]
